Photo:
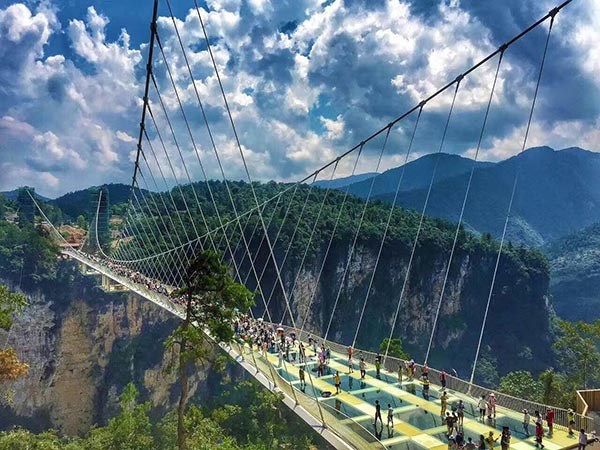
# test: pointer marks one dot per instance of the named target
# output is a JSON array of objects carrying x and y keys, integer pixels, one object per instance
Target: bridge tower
[{"x": 100, "y": 211}]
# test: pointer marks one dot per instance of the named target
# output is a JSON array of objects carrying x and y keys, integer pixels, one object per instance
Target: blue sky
[{"x": 306, "y": 80}]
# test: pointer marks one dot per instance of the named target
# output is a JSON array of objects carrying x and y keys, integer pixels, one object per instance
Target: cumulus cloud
[{"x": 305, "y": 80}]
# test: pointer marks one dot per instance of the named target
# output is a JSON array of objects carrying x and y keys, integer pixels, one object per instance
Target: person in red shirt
[{"x": 550, "y": 421}]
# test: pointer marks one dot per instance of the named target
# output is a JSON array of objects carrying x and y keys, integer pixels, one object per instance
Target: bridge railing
[
  {"x": 392, "y": 364},
  {"x": 336, "y": 421}
]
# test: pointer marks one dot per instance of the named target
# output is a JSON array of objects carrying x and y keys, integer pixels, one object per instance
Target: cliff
[
  {"x": 83, "y": 346},
  {"x": 518, "y": 334}
]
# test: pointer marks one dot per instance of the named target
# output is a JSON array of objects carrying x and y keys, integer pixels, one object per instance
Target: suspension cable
[
  {"x": 421, "y": 220},
  {"x": 462, "y": 210},
  {"x": 357, "y": 233},
  {"x": 389, "y": 220},
  {"x": 337, "y": 221},
  {"x": 512, "y": 195}
]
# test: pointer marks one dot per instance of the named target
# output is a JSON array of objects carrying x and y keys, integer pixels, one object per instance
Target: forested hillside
[{"x": 575, "y": 269}]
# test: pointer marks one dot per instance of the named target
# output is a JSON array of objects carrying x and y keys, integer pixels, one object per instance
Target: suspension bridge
[{"x": 172, "y": 214}]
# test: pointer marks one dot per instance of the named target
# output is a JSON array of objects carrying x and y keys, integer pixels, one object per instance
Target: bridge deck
[
  {"x": 348, "y": 416},
  {"x": 417, "y": 420}
]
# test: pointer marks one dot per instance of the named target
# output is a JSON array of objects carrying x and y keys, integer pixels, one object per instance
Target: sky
[{"x": 305, "y": 80}]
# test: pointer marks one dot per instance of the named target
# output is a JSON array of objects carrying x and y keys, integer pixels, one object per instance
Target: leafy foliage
[
  {"x": 577, "y": 353},
  {"x": 395, "y": 348},
  {"x": 27, "y": 254},
  {"x": 10, "y": 303},
  {"x": 256, "y": 423}
]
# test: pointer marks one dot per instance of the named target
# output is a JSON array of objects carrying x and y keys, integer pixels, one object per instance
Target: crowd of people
[{"x": 136, "y": 277}]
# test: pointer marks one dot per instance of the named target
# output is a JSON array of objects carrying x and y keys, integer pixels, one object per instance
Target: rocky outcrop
[{"x": 83, "y": 346}]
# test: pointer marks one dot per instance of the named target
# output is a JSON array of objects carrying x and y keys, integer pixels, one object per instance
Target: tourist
[
  {"x": 491, "y": 406},
  {"x": 550, "y": 421},
  {"x": 377, "y": 413},
  {"x": 425, "y": 371},
  {"x": 425, "y": 382},
  {"x": 481, "y": 443},
  {"x": 301, "y": 376},
  {"x": 363, "y": 368},
  {"x": 469, "y": 445},
  {"x": 444, "y": 403},
  {"x": 390, "y": 417},
  {"x": 443, "y": 376},
  {"x": 482, "y": 405},
  {"x": 505, "y": 438},
  {"x": 539, "y": 431},
  {"x": 378, "y": 367},
  {"x": 526, "y": 420},
  {"x": 490, "y": 440},
  {"x": 400, "y": 374},
  {"x": 338, "y": 382},
  {"x": 460, "y": 409},
  {"x": 460, "y": 439},
  {"x": 449, "y": 423},
  {"x": 582, "y": 440},
  {"x": 571, "y": 420}
]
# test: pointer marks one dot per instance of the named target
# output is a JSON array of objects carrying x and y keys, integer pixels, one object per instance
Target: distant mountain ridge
[
  {"x": 338, "y": 183},
  {"x": 78, "y": 202},
  {"x": 417, "y": 175},
  {"x": 575, "y": 274},
  {"x": 12, "y": 195},
  {"x": 558, "y": 192}
]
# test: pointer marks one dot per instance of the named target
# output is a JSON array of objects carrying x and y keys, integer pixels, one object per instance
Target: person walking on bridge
[
  {"x": 377, "y": 413},
  {"x": 390, "y": 417},
  {"x": 443, "y": 376},
  {"x": 550, "y": 421},
  {"x": 526, "y": 420},
  {"x": 338, "y": 382},
  {"x": 363, "y": 368},
  {"x": 444, "y": 403},
  {"x": 482, "y": 405},
  {"x": 301, "y": 376},
  {"x": 490, "y": 440}
]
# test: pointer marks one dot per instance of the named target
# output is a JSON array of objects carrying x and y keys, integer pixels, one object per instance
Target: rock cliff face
[
  {"x": 518, "y": 330},
  {"x": 83, "y": 346}
]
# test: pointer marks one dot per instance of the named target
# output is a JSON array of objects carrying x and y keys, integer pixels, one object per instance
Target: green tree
[
  {"x": 130, "y": 430},
  {"x": 395, "y": 348},
  {"x": 521, "y": 384},
  {"x": 210, "y": 296},
  {"x": 11, "y": 368},
  {"x": 10, "y": 303},
  {"x": 577, "y": 352},
  {"x": 81, "y": 222}
]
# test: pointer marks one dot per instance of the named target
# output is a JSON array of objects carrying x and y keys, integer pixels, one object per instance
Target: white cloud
[{"x": 288, "y": 69}]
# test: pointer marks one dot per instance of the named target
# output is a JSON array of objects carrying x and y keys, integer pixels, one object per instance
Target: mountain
[
  {"x": 83, "y": 202},
  {"x": 345, "y": 181},
  {"x": 575, "y": 274},
  {"x": 417, "y": 174},
  {"x": 12, "y": 195},
  {"x": 558, "y": 192}
]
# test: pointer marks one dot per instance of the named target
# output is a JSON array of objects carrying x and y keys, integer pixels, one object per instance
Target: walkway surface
[{"x": 417, "y": 421}]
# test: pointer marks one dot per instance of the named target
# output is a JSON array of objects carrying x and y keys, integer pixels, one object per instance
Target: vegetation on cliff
[
  {"x": 210, "y": 297},
  {"x": 245, "y": 417}
]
